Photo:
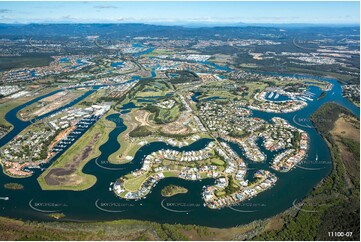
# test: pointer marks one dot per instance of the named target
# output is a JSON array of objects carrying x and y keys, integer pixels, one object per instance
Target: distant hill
[{"x": 146, "y": 30}]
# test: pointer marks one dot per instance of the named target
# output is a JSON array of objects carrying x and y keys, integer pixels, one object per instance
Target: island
[
  {"x": 172, "y": 190},
  {"x": 14, "y": 186}
]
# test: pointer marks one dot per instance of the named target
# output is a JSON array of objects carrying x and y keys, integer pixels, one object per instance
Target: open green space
[
  {"x": 29, "y": 60},
  {"x": 6, "y": 106},
  {"x": 132, "y": 184},
  {"x": 162, "y": 115},
  {"x": 158, "y": 52},
  {"x": 140, "y": 131},
  {"x": 81, "y": 152},
  {"x": 48, "y": 104}
]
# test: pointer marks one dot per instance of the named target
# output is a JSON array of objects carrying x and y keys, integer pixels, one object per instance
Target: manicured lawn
[
  {"x": 217, "y": 162},
  {"x": 133, "y": 184},
  {"x": 170, "y": 174}
]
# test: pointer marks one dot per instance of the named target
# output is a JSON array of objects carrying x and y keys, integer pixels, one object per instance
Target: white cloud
[{"x": 105, "y": 7}]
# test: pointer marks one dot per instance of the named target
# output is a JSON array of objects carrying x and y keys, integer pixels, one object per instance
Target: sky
[{"x": 181, "y": 12}]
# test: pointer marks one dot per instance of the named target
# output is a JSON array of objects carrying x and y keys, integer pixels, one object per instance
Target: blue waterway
[
  {"x": 64, "y": 60},
  {"x": 116, "y": 64},
  {"x": 147, "y": 51},
  {"x": 280, "y": 97}
]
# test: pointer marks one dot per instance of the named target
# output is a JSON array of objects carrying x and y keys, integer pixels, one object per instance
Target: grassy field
[
  {"x": 157, "y": 52},
  {"x": 126, "y": 148},
  {"x": 168, "y": 115},
  {"x": 310, "y": 82},
  {"x": 91, "y": 99},
  {"x": 170, "y": 174},
  {"x": 49, "y": 104},
  {"x": 215, "y": 89},
  {"x": 6, "y": 106},
  {"x": 153, "y": 88},
  {"x": 217, "y": 161},
  {"x": 134, "y": 183},
  {"x": 78, "y": 180},
  {"x": 221, "y": 59},
  {"x": 254, "y": 87}
]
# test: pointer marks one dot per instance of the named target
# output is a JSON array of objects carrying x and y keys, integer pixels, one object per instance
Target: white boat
[
  {"x": 316, "y": 157},
  {"x": 302, "y": 99},
  {"x": 4, "y": 198},
  {"x": 309, "y": 99}
]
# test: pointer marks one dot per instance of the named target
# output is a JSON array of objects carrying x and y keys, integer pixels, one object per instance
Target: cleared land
[
  {"x": 147, "y": 122},
  {"x": 139, "y": 118},
  {"x": 49, "y": 104},
  {"x": 158, "y": 52},
  {"x": 10, "y": 104},
  {"x": 66, "y": 172},
  {"x": 346, "y": 134}
]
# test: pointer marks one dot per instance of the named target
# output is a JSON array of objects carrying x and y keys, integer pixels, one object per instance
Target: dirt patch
[
  {"x": 48, "y": 104},
  {"x": 66, "y": 175},
  {"x": 275, "y": 224},
  {"x": 347, "y": 127},
  {"x": 142, "y": 117},
  {"x": 54, "y": 97},
  {"x": 177, "y": 127}
]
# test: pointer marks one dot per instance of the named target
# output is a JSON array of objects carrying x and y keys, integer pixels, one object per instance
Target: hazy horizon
[{"x": 182, "y": 13}]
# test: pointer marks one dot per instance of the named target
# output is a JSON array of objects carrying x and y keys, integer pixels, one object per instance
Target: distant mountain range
[{"x": 194, "y": 30}]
